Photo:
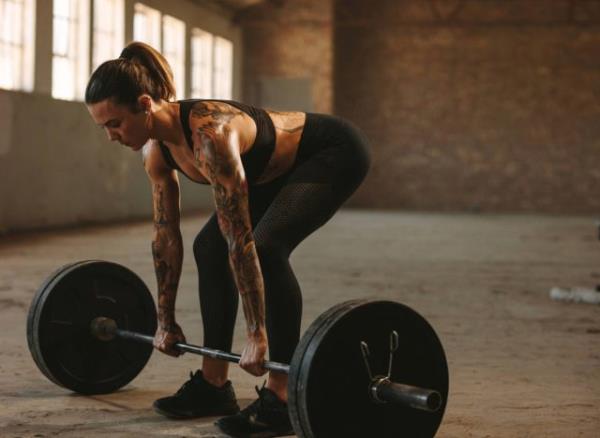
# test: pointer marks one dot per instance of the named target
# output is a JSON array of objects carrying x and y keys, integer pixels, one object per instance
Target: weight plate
[
  {"x": 328, "y": 385},
  {"x": 296, "y": 383},
  {"x": 58, "y": 326}
]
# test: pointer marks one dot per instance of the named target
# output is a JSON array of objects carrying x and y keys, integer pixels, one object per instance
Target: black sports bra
[{"x": 257, "y": 157}]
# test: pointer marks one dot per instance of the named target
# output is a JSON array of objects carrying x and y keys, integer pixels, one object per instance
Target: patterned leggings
[{"x": 331, "y": 163}]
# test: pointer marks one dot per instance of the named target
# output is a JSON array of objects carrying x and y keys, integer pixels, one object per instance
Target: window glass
[
  {"x": 109, "y": 30},
  {"x": 70, "y": 49},
  {"x": 202, "y": 64},
  {"x": 146, "y": 25},
  {"x": 174, "y": 50},
  {"x": 17, "y": 27},
  {"x": 223, "y": 68}
]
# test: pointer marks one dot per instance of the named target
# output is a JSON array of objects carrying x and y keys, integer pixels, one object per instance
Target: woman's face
[{"x": 120, "y": 123}]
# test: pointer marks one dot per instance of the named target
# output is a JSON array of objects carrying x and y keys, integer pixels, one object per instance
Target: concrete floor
[{"x": 521, "y": 365}]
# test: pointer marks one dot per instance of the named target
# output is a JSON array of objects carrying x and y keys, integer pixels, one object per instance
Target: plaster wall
[{"x": 57, "y": 168}]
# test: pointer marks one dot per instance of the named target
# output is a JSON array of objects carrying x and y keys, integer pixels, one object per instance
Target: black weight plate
[
  {"x": 328, "y": 385},
  {"x": 296, "y": 382},
  {"x": 58, "y": 326}
]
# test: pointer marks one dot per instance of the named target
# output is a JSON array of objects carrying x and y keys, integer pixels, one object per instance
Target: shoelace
[
  {"x": 253, "y": 409},
  {"x": 186, "y": 385}
]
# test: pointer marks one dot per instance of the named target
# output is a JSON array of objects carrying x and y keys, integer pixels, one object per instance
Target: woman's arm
[
  {"x": 217, "y": 154},
  {"x": 167, "y": 248}
]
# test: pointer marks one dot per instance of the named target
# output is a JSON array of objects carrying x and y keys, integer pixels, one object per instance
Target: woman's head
[
  {"x": 140, "y": 69},
  {"x": 120, "y": 92}
]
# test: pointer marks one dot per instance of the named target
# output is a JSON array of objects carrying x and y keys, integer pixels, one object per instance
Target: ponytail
[{"x": 140, "y": 69}]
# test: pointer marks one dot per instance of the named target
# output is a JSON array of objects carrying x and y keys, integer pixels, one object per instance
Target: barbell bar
[
  {"x": 106, "y": 329},
  {"x": 382, "y": 389}
]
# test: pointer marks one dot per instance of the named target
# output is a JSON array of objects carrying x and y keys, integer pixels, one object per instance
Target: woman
[{"x": 276, "y": 178}]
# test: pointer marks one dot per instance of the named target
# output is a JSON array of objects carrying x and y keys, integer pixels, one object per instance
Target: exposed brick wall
[
  {"x": 294, "y": 40},
  {"x": 474, "y": 105},
  {"x": 470, "y": 104}
]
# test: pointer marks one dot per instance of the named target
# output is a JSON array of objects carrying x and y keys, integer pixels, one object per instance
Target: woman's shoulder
[
  {"x": 201, "y": 108},
  {"x": 214, "y": 114},
  {"x": 154, "y": 160}
]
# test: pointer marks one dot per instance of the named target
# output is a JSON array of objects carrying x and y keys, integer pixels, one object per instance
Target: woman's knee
[
  {"x": 270, "y": 250},
  {"x": 200, "y": 246},
  {"x": 209, "y": 246}
]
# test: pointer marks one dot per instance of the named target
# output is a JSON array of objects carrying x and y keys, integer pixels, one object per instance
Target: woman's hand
[
  {"x": 166, "y": 337},
  {"x": 253, "y": 355}
]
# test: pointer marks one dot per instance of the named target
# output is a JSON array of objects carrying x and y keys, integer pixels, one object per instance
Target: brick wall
[
  {"x": 470, "y": 105},
  {"x": 474, "y": 105},
  {"x": 291, "y": 39}
]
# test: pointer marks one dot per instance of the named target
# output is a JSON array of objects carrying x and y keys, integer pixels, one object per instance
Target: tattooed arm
[
  {"x": 167, "y": 247},
  {"x": 217, "y": 155}
]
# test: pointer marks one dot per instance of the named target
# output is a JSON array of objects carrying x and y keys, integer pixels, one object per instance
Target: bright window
[
  {"x": 212, "y": 66},
  {"x": 174, "y": 50},
  {"x": 109, "y": 30},
  {"x": 202, "y": 61},
  {"x": 70, "y": 60},
  {"x": 146, "y": 25},
  {"x": 223, "y": 68},
  {"x": 17, "y": 25}
]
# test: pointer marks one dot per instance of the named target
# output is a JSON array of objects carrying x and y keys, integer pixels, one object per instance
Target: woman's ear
[{"x": 145, "y": 103}]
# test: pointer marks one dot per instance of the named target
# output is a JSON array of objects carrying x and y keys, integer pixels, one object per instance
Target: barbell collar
[{"x": 383, "y": 390}]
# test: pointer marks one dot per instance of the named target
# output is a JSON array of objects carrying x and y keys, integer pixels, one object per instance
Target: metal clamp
[{"x": 364, "y": 349}]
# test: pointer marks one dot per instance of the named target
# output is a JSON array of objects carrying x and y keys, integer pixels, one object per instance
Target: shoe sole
[{"x": 191, "y": 416}]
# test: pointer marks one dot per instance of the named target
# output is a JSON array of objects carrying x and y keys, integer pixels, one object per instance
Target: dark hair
[{"x": 140, "y": 69}]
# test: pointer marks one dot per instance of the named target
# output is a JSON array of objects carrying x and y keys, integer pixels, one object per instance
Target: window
[
  {"x": 202, "y": 55},
  {"x": 174, "y": 50},
  {"x": 17, "y": 25},
  {"x": 146, "y": 25},
  {"x": 212, "y": 66},
  {"x": 108, "y": 30},
  {"x": 70, "y": 60},
  {"x": 223, "y": 68}
]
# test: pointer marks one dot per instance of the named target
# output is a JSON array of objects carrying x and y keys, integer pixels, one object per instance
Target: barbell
[{"x": 362, "y": 368}]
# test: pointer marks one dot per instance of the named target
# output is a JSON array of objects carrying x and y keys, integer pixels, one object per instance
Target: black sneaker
[
  {"x": 265, "y": 417},
  {"x": 198, "y": 398}
]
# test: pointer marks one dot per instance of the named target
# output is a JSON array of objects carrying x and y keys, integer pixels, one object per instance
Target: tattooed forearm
[
  {"x": 254, "y": 311},
  {"x": 167, "y": 252},
  {"x": 230, "y": 188},
  {"x": 160, "y": 219},
  {"x": 235, "y": 226},
  {"x": 247, "y": 274}
]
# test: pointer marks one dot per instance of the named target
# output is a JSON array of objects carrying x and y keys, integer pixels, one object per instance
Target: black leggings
[{"x": 331, "y": 163}]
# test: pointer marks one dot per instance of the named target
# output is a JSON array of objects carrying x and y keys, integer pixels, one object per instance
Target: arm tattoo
[
  {"x": 223, "y": 167},
  {"x": 160, "y": 219},
  {"x": 211, "y": 115},
  {"x": 253, "y": 311},
  {"x": 167, "y": 253}
]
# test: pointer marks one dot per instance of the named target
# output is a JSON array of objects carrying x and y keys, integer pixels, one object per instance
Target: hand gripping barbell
[{"x": 343, "y": 379}]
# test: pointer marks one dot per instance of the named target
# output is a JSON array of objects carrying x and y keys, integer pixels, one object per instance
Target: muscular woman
[{"x": 276, "y": 178}]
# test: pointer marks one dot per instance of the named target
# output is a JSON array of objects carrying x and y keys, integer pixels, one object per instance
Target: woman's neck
[{"x": 165, "y": 124}]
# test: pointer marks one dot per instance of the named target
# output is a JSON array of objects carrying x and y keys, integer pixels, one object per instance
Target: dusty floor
[{"x": 521, "y": 365}]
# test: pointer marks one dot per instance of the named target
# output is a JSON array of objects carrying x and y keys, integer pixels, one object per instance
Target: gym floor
[{"x": 521, "y": 365}]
